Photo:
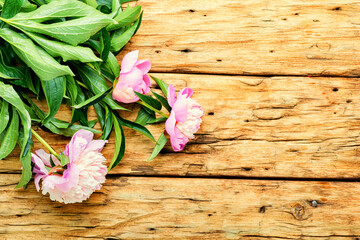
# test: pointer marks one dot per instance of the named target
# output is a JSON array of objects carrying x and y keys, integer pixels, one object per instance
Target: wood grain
[
  {"x": 284, "y": 127},
  {"x": 168, "y": 208},
  {"x": 319, "y": 37}
]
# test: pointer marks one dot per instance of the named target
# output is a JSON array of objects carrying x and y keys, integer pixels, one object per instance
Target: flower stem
[
  {"x": 43, "y": 142},
  {"x": 154, "y": 109}
]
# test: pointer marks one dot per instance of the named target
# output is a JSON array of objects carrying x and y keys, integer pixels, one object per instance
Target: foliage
[{"x": 62, "y": 51}]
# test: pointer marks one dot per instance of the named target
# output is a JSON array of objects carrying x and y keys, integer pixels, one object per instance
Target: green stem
[
  {"x": 51, "y": 150},
  {"x": 154, "y": 109},
  {"x": 81, "y": 84}
]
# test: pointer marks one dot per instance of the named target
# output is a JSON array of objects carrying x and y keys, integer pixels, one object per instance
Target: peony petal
[
  {"x": 180, "y": 108},
  {"x": 143, "y": 65},
  {"x": 78, "y": 143},
  {"x": 133, "y": 77},
  {"x": 44, "y": 156},
  {"x": 171, "y": 95},
  {"x": 129, "y": 61},
  {"x": 39, "y": 165},
  {"x": 55, "y": 160},
  {"x": 37, "y": 179},
  {"x": 178, "y": 141},
  {"x": 96, "y": 145},
  {"x": 70, "y": 178},
  {"x": 124, "y": 93},
  {"x": 147, "y": 80},
  {"x": 170, "y": 124},
  {"x": 186, "y": 91},
  {"x": 51, "y": 181}
]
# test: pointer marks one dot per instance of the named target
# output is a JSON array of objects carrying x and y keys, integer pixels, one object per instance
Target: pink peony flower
[
  {"x": 133, "y": 77},
  {"x": 185, "y": 117},
  {"x": 76, "y": 181}
]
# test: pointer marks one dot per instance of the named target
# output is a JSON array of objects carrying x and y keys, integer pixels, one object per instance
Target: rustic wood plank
[
  {"x": 251, "y": 37},
  {"x": 170, "y": 208},
  {"x": 253, "y": 126}
]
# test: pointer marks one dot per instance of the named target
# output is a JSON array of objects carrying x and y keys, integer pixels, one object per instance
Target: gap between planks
[
  {"x": 250, "y": 75},
  {"x": 219, "y": 177}
]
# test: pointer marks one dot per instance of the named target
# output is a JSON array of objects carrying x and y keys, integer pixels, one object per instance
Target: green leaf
[
  {"x": 71, "y": 89},
  {"x": 96, "y": 45},
  {"x": 70, "y": 131},
  {"x": 54, "y": 91},
  {"x": 60, "y": 123},
  {"x": 105, "y": 43},
  {"x": 159, "y": 145},
  {"x": 63, "y": 159},
  {"x": 106, "y": 74},
  {"x": 163, "y": 86},
  {"x": 127, "y": 17},
  {"x": 25, "y": 158},
  {"x": 125, "y": 1},
  {"x": 118, "y": 42},
  {"x": 144, "y": 117},
  {"x": 138, "y": 25},
  {"x": 73, "y": 32},
  {"x": 109, "y": 122},
  {"x": 119, "y": 150},
  {"x": 158, "y": 120},
  {"x": 9, "y": 142},
  {"x": 100, "y": 112},
  {"x": 92, "y": 123},
  {"x": 45, "y": 66},
  {"x": 4, "y": 116},
  {"x": 115, "y": 8},
  {"x": 57, "y": 126},
  {"x": 28, "y": 7},
  {"x": 97, "y": 84},
  {"x": 91, "y": 3},
  {"x": 38, "y": 2},
  {"x": 8, "y": 93},
  {"x": 107, "y": 3},
  {"x": 56, "y": 10},
  {"x": 149, "y": 100},
  {"x": 113, "y": 64},
  {"x": 163, "y": 101},
  {"x": 11, "y": 8},
  {"x": 137, "y": 127},
  {"x": 93, "y": 100},
  {"x": 29, "y": 80},
  {"x": 66, "y": 51},
  {"x": 8, "y": 72}
]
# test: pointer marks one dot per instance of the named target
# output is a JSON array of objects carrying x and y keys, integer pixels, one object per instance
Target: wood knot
[
  {"x": 269, "y": 113},
  {"x": 300, "y": 212},
  {"x": 323, "y": 46}
]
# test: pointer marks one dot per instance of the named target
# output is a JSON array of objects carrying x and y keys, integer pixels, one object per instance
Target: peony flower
[
  {"x": 185, "y": 117},
  {"x": 133, "y": 77},
  {"x": 77, "y": 180}
]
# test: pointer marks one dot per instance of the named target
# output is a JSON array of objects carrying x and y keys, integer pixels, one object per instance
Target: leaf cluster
[{"x": 62, "y": 51}]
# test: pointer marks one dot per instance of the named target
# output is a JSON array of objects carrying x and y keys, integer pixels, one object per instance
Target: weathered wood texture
[
  {"x": 168, "y": 208},
  {"x": 269, "y": 127},
  {"x": 283, "y": 37},
  {"x": 296, "y": 127}
]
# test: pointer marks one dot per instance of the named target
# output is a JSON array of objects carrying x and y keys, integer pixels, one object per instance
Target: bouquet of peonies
[{"x": 63, "y": 51}]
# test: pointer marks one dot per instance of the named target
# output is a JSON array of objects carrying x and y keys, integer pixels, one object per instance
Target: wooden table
[{"x": 277, "y": 156}]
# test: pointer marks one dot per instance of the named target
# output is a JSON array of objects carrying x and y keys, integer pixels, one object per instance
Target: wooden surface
[
  {"x": 142, "y": 207},
  {"x": 277, "y": 156}
]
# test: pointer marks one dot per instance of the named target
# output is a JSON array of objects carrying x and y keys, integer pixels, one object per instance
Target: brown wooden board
[
  {"x": 251, "y": 37},
  {"x": 277, "y": 123},
  {"x": 173, "y": 208},
  {"x": 289, "y": 127}
]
